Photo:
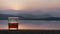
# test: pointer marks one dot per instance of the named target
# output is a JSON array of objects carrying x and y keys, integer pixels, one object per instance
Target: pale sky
[{"x": 26, "y": 4}]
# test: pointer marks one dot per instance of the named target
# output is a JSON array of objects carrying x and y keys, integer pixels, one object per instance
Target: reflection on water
[
  {"x": 37, "y": 23},
  {"x": 34, "y": 22}
]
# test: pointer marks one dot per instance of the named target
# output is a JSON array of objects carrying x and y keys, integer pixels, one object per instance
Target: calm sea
[{"x": 55, "y": 24}]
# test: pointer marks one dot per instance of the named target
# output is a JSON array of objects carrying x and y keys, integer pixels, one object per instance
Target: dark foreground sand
[{"x": 29, "y": 31}]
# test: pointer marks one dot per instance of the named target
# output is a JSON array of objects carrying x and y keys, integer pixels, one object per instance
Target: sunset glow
[
  {"x": 15, "y": 7},
  {"x": 26, "y": 4}
]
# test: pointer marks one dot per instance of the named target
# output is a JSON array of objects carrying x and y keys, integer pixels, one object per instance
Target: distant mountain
[
  {"x": 55, "y": 12},
  {"x": 5, "y": 16},
  {"x": 29, "y": 17},
  {"x": 50, "y": 14}
]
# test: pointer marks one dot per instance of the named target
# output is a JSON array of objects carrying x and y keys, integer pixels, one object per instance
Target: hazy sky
[{"x": 28, "y": 4}]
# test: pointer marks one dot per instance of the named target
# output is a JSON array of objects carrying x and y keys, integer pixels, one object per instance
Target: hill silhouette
[{"x": 29, "y": 17}]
